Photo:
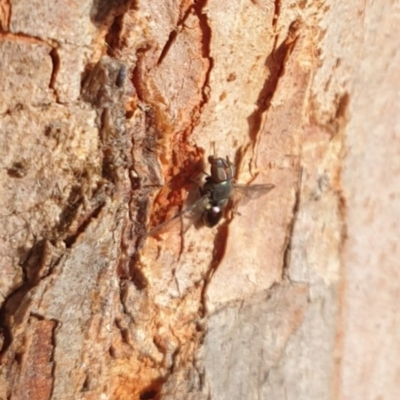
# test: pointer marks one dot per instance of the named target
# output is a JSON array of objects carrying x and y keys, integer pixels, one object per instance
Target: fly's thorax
[{"x": 218, "y": 191}]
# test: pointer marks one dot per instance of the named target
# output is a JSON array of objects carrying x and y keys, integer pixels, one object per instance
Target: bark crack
[
  {"x": 5, "y": 15},
  {"x": 199, "y": 8},
  {"x": 291, "y": 226},
  {"x": 55, "y": 59},
  {"x": 173, "y": 35},
  {"x": 277, "y": 12},
  {"x": 220, "y": 243},
  {"x": 39, "y": 264},
  {"x": 275, "y": 64}
]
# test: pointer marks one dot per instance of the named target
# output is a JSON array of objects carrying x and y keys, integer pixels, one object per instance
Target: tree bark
[{"x": 107, "y": 113}]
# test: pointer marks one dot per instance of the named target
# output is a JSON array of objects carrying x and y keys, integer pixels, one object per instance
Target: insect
[{"x": 218, "y": 189}]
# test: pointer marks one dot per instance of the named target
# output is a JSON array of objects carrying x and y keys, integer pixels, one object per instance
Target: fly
[{"x": 218, "y": 188}]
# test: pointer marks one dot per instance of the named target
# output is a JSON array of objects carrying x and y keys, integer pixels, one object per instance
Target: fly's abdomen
[{"x": 214, "y": 212}]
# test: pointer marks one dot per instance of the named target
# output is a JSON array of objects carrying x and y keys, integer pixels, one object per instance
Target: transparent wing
[
  {"x": 244, "y": 193},
  {"x": 191, "y": 214}
]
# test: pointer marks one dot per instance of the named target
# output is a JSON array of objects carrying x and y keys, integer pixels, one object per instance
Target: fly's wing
[
  {"x": 244, "y": 193},
  {"x": 191, "y": 213}
]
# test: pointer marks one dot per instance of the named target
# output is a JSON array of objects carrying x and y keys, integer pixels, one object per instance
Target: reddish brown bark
[{"x": 108, "y": 111}]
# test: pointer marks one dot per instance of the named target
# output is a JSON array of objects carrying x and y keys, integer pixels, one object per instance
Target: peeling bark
[{"x": 107, "y": 113}]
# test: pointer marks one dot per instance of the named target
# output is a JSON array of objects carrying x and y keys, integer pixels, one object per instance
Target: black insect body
[{"x": 218, "y": 189}]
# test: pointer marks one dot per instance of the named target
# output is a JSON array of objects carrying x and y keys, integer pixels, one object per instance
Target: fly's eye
[
  {"x": 219, "y": 174},
  {"x": 223, "y": 164},
  {"x": 221, "y": 170}
]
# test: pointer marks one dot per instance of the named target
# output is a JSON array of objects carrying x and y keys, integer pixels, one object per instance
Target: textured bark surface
[{"x": 107, "y": 113}]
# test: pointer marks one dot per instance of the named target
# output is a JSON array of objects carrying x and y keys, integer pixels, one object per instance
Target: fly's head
[{"x": 221, "y": 169}]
